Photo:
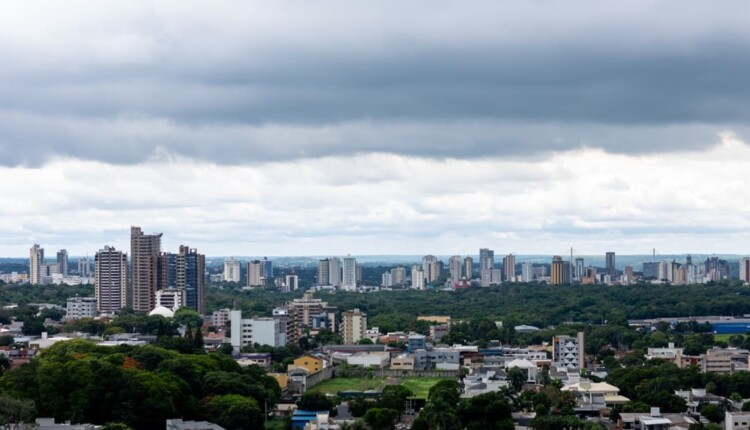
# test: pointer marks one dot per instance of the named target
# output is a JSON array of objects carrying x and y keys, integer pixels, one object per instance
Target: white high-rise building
[
  {"x": 255, "y": 273},
  {"x": 486, "y": 259},
  {"x": 110, "y": 279},
  {"x": 36, "y": 260},
  {"x": 263, "y": 331},
  {"x": 417, "y": 278},
  {"x": 291, "y": 282},
  {"x": 231, "y": 270},
  {"x": 386, "y": 279},
  {"x": 84, "y": 266},
  {"x": 334, "y": 271},
  {"x": 349, "y": 281},
  {"x": 527, "y": 272},
  {"x": 454, "y": 267},
  {"x": 428, "y": 266}
]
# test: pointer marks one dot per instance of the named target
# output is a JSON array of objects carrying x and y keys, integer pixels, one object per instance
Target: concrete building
[
  {"x": 527, "y": 272},
  {"x": 81, "y": 307},
  {"x": 736, "y": 420},
  {"x": 84, "y": 267},
  {"x": 569, "y": 351},
  {"x": 110, "y": 279},
  {"x": 486, "y": 259},
  {"x": 170, "y": 298},
  {"x": 609, "y": 262},
  {"x": 454, "y": 267},
  {"x": 62, "y": 262},
  {"x": 491, "y": 277},
  {"x": 255, "y": 274},
  {"x": 398, "y": 275},
  {"x": 231, "y": 270},
  {"x": 469, "y": 268},
  {"x": 416, "y": 341},
  {"x": 221, "y": 318},
  {"x": 191, "y": 278},
  {"x": 36, "y": 260},
  {"x": 353, "y": 326},
  {"x": 557, "y": 275},
  {"x": 427, "y": 262},
  {"x": 323, "y": 278},
  {"x": 291, "y": 282},
  {"x": 417, "y": 278},
  {"x": 249, "y": 331},
  {"x": 509, "y": 268},
  {"x": 144, "y": 255},
  {"x": 437, "y": 358},
  {"x": 369, "y": 359},
  {"x": 651, "y": 270},
  {"x": 349, "y": 277},
  {"x": 745, "y": 270},
  {"x": 334, "y": 271}
]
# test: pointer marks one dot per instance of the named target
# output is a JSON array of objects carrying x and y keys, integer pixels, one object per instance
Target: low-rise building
[
  {"x": 737, "y": 420},
  {"x": 310, "y": 363},
  {"x": 81, "y": 307},
  {"x": 369, "y": 359},
  {"x": 257, "y": 359},
  {"x": 403, "y": 362},
  {"x": 251, "y": 331},
  {"x": 655, "y": 420},
  {"x": 437, "y": 358}
]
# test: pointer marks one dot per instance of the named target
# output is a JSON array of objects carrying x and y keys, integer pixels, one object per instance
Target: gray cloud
[{"x": 249, "y": 83}]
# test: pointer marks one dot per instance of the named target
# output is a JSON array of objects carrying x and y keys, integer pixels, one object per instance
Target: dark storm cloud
[{"x": 493, "y": 80}]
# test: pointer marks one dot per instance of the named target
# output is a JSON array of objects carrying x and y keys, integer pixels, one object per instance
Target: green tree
[
  {"x": 395, "y": 397},
  {"x": 234, "y": 412},
  {"x": 517, "y": 378},
  {"x": 15, "y": 412},
  {"x": 447, "y": 391},
  {"x": 188, "y": 317},
  {"x": 712, "y": 412},
  {"x": 381, "y": 418},
  {"x": 315, "y": 401}
]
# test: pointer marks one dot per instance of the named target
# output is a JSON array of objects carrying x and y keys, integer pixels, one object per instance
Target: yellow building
[
  {"x": 281, "y": 378},
  {"x": 310, "y": 363},
  {"x": 558, "y": 271}
]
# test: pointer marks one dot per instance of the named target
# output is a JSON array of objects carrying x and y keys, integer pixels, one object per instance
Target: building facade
[
  {"x": 231, "y": 270},
  {"x": 36, "y": 260},
  {"x": 353, "y": 326},
  {"x": 349, "y": 281},
  {"x": 145, "y": 250},
  {"x": 110, "y": 279}
]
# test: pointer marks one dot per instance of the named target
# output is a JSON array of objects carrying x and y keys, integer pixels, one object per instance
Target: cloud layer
[{"x": 249, "y": 82}]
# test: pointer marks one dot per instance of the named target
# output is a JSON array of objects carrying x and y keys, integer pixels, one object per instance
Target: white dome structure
[{"x": 162, "y": 311}]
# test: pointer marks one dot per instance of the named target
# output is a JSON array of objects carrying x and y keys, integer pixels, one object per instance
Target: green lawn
[
  {"x": 334, "y": 385},
  {"x": 276, "y": 423},
  {"x": 724, "y": 337},
  {"x": 420, "y": 386}
]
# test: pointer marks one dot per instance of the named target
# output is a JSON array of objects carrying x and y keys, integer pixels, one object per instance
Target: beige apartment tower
[
  {"x": 110, "y": 279},
  {"x": 144, "y": 256},
  {"x": 353, "y": 326}
]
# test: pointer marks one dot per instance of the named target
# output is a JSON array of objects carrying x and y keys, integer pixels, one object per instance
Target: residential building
[
  {"x": 231, "y": 270},
  {"x": 569, "y": 351},
  {"x": 84, "y": 267},
  {"x": 386, "y": 280},
  {"x": 469, "y": 268},
  {"x": 437, "y": 358},
  {"x": 611, "y": 269},
  {"x": 353, "y": 326},
  {"x": 417, "y": 278},
  {"x": 670, "y": 353},
  {"x": 220, "y": 318},
  {"x": 62, "y": 262},
  {"x": 36, "y": 260},
  {"x": 310, "y": 363},
  {"x": 429, "y": 267},
  {"x": 579, "y": 269},
  {"x": 491, "y": 277},
  {"x": 527, "y": 272},
  {"x": 509, "y": 268},
  {"x": 628, "y": 275},
  {"x": 737, "y": 420},
  {"x": 302, "y": 311},
  {"x": 454, "y": 267},
  {"x": 349, "y": 281},
  {"x": 558, "y": 271},
  {"x": 398, "y": 276},
  {"x": 416, "y": 341},
  {"x": 251, "y": 331},
  {"x": 170, "y": 298},
  {"x": 651, "y": 270},
  {"x": 291, "y": 282},
  {"x": 486, "y": 259},
  {"x": 144, "y": 255},
  {"x": 191, "y": 277},
  {"x": 323, "y": 276},
  {"x": 334, "y": 271},
  {"x": 81, "y": 307},
  {"x": 110, "y": 279},
  {"x": 255, "y": 274},
  {"x": 745, "y": 270}
]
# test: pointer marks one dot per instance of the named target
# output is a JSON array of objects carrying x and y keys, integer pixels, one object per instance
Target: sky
[{"x": 388, "y": 127}]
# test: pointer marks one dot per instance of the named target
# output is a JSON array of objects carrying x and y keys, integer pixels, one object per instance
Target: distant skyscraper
[
  {"x": 255, "y": 273},
  {"x": 353, "y": 325},
  {"x": 145, "y": 250},
  {"x": 386, "y": 279},
  {"x": 509, "y": 268},
  {"x": 527, "y": 272},
  {"x": 558, "y": 271},
  {"x": 334, "y": 271},
  {"x": 191, "y": 278},
  {"x": 398, "y": 275},
  {"x": 469, "y": 268},
  {"x": 611, "y": 269},
  {"x": 323, "y": 274},
  {"x": 745, "y": 269},
  {"x": 349, "y": 281},
  {"x": 84, "y": 266},
  {"x": 417, "y": 277},
  {"x": 62, "y": 261},
  {"x": 36, "y": 260},
  {"x": 454, "y": 267},
  {"x": 486, "y": 259},
  {"x": 231, "y": 270},
  {"x": 428, "y": 268},
  {"x": 267, "y": 269},
  {"x": 110, "y": 279},
  {"x": 580, "y": 268},
  {"x": 651, "y": 270},
  {"x": 291, "y": 282}
]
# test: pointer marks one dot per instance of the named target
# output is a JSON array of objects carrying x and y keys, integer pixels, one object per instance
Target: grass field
[
  {"x": 334, "y": 385},
  {"x": 722, "y": 337},
  {"x": 420, "y": 386}
]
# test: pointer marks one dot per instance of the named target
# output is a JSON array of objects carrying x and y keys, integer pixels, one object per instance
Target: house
[
  {"x": 654, "y": 421},
  {"x": 322, "y": 421},
  {"x": 258, "y": 359},
  {"x": 737, "y": 420},
  {"x": 310, "y": 363},
  {"x": 482, "y": 382},
  {"x": 595, "y": 395},
  {"x": 528, "y": 368},
  {"x": 403, "y": 362}
]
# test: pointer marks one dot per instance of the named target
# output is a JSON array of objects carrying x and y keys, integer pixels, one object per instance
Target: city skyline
[{"x": 528, "y": 133}]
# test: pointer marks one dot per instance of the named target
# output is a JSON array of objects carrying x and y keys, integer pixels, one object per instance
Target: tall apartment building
[
  {"x": 509, "y": 268},
  {"x": 334, "y": 271},
  {"x": 80, "y": 307},
  {"x": 469, "y": 268},
  {"x": 745, "y": 269},
  {"x": 569, "y": 351},
  {"x": 84, "y": 266},
  {"x": 398, "y": 275},
  {"x": 417, "y": 277},
  {"x": 145, "y": 250},
  {"x": 349, "y": 281},
  {"x": 62, "y": 262},
  {"x": 486, "y": 259},
  {"x": 231, "y": 270},
  {"x": 609, "y": 258},
  {"x": 353, "y": 326},
  {"x": 191, "y": 277},
  {"x": 110, "y": 279},
  {"x": 255, "y": 273},
  {"x": 323, "y": 275},
  {"x": 454, "y": 268},
  {"x": 557, "y": 275},
  {"x": 428, "y": 267},
  {"x": 36, "y": 260},
  {"x": 527, "y": 272},
  {"x": 579, "y": 269},
  {"x": 291, "y": 282},
  {"x": 651, "y": 270},
  {"x": 491, "y": 277}
]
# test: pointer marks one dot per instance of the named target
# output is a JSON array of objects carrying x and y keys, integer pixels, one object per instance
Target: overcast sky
[{"x": 313, "y": 128}]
